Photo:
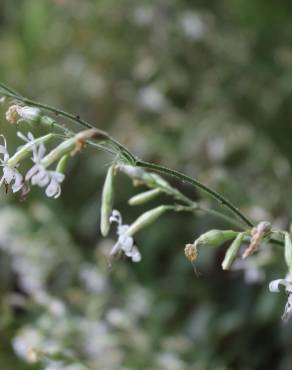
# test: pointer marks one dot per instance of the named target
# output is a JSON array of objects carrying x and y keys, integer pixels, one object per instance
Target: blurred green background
[{"x": 201, "y": 86}]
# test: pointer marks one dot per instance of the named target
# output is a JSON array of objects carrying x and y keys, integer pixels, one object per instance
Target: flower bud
[
  {"x": 146, "y": 219},
  {"x": 144, "y": 197},
  {"x": 107, "y": 202},
  {"x": 62, "y": 164},
  {"x": 288, "y": 251},
  {"x": 26, "y": 149},
  {"x": 214, "y": 238},
  {"x": 232, "y": 251}
]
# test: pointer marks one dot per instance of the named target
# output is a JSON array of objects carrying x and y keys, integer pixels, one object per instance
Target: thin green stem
[
  {"x": 222, "y": 200},
  {"x": 76, "y": 119},
  {"x": 11, "y": 91}
]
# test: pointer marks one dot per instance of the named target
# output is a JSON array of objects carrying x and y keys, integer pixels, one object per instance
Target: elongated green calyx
[
  {"x": 146, "y": 219},
  {"x": 62, "y": 164},
  {"x": 144, "y": 197},
  {"x": 232, "y": 252},
  {"x": 25, "y": 151},
  {"x": 65, "y": 147},
  {"x": 152, "y": 180},
  {"x": 288, "y": 251},
  {"x": 214, "y": 238},
  {"x": 107, "y": 202}
]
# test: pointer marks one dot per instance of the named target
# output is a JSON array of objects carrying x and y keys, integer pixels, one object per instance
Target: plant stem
[
  {"x": 222, "y": 200},
  {"x": 129, "y": 156}
]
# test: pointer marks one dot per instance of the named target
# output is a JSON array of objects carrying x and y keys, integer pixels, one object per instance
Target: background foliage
[{"x": 202, "y": 86}]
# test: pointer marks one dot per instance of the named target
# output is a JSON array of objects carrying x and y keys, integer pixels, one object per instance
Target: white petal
[
  {"x": 3, "y": 150},
  {"x": 8, "y": 174},
  {"x": 57, "y": 176},
  {"x": 22, "y": 136},
  {"x": 116, "y": 217},
  {"x": 41, "y": 151},
  {"x": 18, "y": 182},
  {"x": 30, "y": 136},
  {"x": 41, "y": 178},
  {"x": 136, "y": 255},
  {"x": 274, "y": 285},
  {"x": 126, "y": 242},
  {"x": 33, "y": 171},
  {"x": 53, "y": 189}
]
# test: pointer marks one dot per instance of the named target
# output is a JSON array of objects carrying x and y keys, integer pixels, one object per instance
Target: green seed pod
[
  {"x": 214, "y": 238},
  {"x": 232, "y": 252},
  {"x": 107, "y": 202},
  {"x": 62, "y": 164},
  {"x": 25, "y": 151},
  {"x": 288, "y": 251},
  {"x": 144, "y": 197},
  {"x": 146, "y": 219}
]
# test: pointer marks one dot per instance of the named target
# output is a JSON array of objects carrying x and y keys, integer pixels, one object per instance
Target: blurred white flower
[
  {"x": 274, "y": 287},
  {"x": 143, "y": 16},
  {"x": 92, "y": 278},
  {"x": 10, "y": 174},
  {"x": 192, "y": 26},
  {"x": 38, "y": 174},
  {"x": 25, "y": 340},
  {"x": 125, "y": 242},
  {"x": 151, "y": 99},
  {"x": 252, "y": 273}
]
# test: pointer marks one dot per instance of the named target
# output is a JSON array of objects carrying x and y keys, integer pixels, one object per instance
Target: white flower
[
  {"x": 125, "y": 242},
  {"x": 10, "y": 174},
  {"x": 38, "y": 174},
  {"x": 16, "y": 113},
  {"x": 252, "y": 273},
  {"x": 274, "y": 287}
]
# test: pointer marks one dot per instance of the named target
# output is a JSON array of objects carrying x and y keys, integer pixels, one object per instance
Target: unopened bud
[
  {"x": 62, "y": 164},
  {"x": 144, "y": 197},
  {"x": 288, "y": 251},
  {"x": 107, "y": 202},
  {"x": 191, "y": 252},
  {"x": 62, "y": 149},
  {"x": 214, "y": 238},
  {"x": 232, "y": 251},
  {"x": 146, "y": 219}
]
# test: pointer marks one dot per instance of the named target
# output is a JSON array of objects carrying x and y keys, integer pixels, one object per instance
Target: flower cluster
[
  {"x": 11, "y": 175},
  {"x": 38, "y": 175}
]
